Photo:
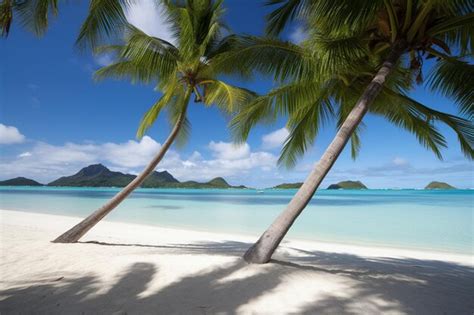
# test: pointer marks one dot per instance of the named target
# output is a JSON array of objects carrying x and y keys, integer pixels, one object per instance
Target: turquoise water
[{"x": 427, "y": 220}]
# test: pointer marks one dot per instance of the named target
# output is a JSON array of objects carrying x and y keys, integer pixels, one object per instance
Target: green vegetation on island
[
  {"x": 439, "y": 185},
  {"x": 288, "y": 186},
  {"x": 98, "y": 175},
  {"x": 348, "y": 184},
  {"x": 20, "y": 181}
]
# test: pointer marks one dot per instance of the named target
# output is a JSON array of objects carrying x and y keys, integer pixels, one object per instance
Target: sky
[{"x": 55, "y": 119}]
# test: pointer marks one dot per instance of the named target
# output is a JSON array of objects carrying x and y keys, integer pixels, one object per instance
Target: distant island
[
  {"x": 288, "y": 186},
  {"x": 20, "y": 181},
  {"x": 348, "y": 184},
  {"x": 439, "y": 185},
  {"x": 97, "y": 175},
  {"x": 341, "y": 185}
]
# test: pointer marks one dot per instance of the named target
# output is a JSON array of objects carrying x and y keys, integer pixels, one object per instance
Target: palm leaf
[
  {"x": 455, "y": 79},
  {"x": 225, "y": 96},
  {"x": 106, "y": 18}
]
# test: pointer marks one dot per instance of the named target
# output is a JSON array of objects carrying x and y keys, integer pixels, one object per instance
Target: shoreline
[{"x": 299, "y": 243}]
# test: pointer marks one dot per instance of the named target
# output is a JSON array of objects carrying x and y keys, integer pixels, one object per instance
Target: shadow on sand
[{"x": 381, "y": 285}]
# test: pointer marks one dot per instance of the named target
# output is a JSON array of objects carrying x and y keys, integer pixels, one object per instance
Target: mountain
[
  {"x": 216, "y": 183},
  {"x": 157, "y": 179},
  {"x": 20, "y": 181},
  {"x": 98, "y": 175},
  {"x": 439, "y": 185},
  {"x": 288, "y": 186},
  {"x": 348, "y": 184}
]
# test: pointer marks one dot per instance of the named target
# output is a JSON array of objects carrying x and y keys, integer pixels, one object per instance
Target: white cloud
[
  {"x": 275, "y": 139},
  {"x": 298, "y": 35},
  {"x": 398, "y": 161},
  {"x": 131, "y": 153},
  {"x": 10, "y": 135},
  {"x": 24, "y": 154},
  {"x": 229, "y": 151},
  {"x": 150, "y": 17}
]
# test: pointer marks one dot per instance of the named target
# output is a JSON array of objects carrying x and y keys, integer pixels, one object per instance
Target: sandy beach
[{"x": 121, "y": 268}]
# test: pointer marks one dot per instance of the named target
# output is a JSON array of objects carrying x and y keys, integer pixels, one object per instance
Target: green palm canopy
[
  {"x": 191, "y": 65},
  {"x": 175, "y": 69},
  {"x": 323, "y": 77},
  {"x": 359, "y": 56}
]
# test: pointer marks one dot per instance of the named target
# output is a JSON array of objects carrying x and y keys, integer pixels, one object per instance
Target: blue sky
[{"x": 55, "y": 119}]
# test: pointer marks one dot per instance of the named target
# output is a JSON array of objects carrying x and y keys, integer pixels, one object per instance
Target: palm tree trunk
[
  {"x": 262, "y": 251},
  {"x": 76, "y": 232}
]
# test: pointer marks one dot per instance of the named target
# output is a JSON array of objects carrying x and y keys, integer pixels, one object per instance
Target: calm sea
[{"x": 416, "y": 219}]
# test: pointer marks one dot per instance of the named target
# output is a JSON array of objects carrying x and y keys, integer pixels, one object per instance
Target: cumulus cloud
[
  {"x": 150, "y": 17},
  {"x": 46, "y": 162},
  {"x": 10, "y": 135},
  {"x": 275, "y": 139},
  {"x": 229, "y": 151}
]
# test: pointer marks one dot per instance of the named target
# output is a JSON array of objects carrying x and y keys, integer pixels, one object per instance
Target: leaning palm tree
[
  {"x": 178, "y": 71},
  {"x": 360, "y": 56},
  {"x": 33, "y": 14}
]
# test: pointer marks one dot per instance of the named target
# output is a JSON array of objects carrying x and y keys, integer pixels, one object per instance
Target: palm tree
[
  {"x": 178, "y": 71},
  {"x": 360, "y": 56},
  {"x": 33, "y": 14}
]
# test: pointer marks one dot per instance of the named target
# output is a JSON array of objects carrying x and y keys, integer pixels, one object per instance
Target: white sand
[{"x": 149, "y": 270}]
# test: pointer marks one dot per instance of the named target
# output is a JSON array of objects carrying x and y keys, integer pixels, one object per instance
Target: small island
[
  {"x": 348, "y": 184},
  {"x": 439, "y": 185},
  {"x": 20, "y": 181},
  {"x": 288, "y": 186}
]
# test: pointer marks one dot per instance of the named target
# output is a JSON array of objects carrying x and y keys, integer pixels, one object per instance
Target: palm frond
[
  {"x": 105, "y": 19},
  {"x": 304, "y": 125},
  {"x": 455, "y": 79},
  {"x": 226, "y": 97},
  {"x": 6, "y": 17},
  {"x": 389, "y": 106},
  {"x": 463, "y": 128},
  {"x": 151, "y": 115},
  {"x": 282, "y": 60},
  {"x": 288, "y": 11},
  {"x": 126, "y": 70},
  {"x": 35, "y": 14},
  {"x": 356, "y": 141},
  {"x": 158, "y": 55}
]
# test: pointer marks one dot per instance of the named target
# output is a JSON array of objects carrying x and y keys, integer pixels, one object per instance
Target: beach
[{"x": 123, "y": 268}]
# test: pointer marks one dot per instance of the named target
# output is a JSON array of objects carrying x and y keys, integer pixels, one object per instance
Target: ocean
[{"x": 437, "y": 220}]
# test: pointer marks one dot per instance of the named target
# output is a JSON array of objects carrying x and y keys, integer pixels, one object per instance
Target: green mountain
[
  {"x": 20, "y": 181},
  {"x": 348, "y": 184},
  {"x": 288, "y": 186},
  {"x": 216, "y": 183},
  {"x": 439, "y": 185},
  {"x": 98, "y": 175},
  {"x": 158, "y": 179}
]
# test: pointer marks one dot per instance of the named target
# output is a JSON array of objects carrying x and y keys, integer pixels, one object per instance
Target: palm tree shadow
[
  {"x": 195, "y": 294},
  {"x": 228, "y": 248},
  {"x": 375, "y": 285},
  {"x": 382, "y": 285}
]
